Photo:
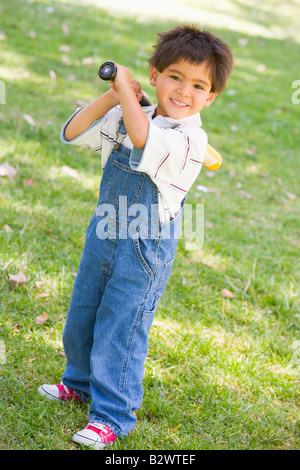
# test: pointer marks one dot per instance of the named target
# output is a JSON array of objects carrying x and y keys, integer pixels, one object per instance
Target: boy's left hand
[{"x": 123, "y": 78}]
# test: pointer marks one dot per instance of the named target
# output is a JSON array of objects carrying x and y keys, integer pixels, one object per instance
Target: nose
[{"x": 184, "y": 89}]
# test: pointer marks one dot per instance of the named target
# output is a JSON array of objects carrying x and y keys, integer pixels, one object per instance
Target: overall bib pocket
[{"x": 124, "y": 181}]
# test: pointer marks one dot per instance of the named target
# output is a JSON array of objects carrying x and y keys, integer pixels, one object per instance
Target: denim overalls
[{"x": 120, "y": 279}]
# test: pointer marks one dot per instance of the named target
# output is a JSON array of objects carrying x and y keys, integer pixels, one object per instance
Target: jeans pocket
[
  {"x": 124, "y": 182},
  {"x": 164, "y": 278},
  {"x": 146, "y": 264},
  {"x": 152, "y": 302}
]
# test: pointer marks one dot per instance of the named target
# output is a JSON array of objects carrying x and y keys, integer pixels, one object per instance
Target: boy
[{"x": 150, "y": 158}]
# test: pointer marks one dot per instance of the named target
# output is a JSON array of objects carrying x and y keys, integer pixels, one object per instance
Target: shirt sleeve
[
  {"x": 90, "y": 138},
  {"x": 101, "y": 133},
  {"x": 169, "y": 150}
]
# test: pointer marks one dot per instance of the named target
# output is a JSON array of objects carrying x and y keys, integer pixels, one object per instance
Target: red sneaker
[
  {"x": 59, "y": 392},
  {"x": 95, "y": 435}
]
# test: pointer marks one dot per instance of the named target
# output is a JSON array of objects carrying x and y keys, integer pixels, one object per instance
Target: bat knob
[{"x": 107, "y": 71}]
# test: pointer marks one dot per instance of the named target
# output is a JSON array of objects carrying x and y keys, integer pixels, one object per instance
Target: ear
[
  {"x": 210, "y": 99},
  {"x": 153, "y": 76}
]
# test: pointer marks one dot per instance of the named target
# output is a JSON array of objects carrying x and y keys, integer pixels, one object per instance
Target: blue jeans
[{"x": 121, "y": 276}]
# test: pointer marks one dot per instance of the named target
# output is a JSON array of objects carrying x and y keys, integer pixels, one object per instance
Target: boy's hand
[
  {"x": 130, "y": 92},
  {"x": 122, "y": 79}
]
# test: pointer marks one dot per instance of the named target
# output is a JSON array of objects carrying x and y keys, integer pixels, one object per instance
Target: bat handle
[{"x": 107, "y": 70}]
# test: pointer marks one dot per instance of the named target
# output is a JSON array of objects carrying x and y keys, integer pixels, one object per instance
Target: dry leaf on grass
[
  {"x": 67, "y": 170},
  {"x": 16, "y": 279},
  {"x": 7, "y": 228},
  {"x": 65, "y": 29},
  {"x": 205, "y": 189},
  {"x": 52, "y": 75},
  {"x": 29, "y": 119},
  {"x": 290, "y": 195},
  {"x": 8, "y": 170},
  {"x": 28, "y": 182},
  {"x": 42, "y": 295},
  {"x": 87, "y": 62},
  {"x": 41, "y": 318},
  {"x": 227, "y": 293}
]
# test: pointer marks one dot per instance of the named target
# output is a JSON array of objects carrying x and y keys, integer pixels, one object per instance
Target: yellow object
[{"x": 212, "y": 160}]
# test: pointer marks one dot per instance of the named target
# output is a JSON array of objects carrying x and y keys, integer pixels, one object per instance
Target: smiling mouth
[{"x": 179, "y": 104}]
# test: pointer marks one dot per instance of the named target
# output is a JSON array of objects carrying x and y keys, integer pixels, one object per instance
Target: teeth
[{"x": 183, "y": 105}]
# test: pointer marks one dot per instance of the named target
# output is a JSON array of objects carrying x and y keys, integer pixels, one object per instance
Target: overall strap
[{"x": 121, "y": 133}]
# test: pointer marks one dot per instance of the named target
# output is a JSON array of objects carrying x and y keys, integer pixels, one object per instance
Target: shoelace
[
  {"x": 66, "y": 388},
  {"x": 100, "y": 426}
]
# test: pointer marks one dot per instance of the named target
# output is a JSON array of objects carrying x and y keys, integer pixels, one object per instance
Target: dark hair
[{"x": 197, "y": 47}]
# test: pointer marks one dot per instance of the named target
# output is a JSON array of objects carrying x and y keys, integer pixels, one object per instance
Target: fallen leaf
[
  {"x": 65, "y": 60},
  {"x": 261, "y": 68},
  {"x": 42, "y": 295},
  {"x": 253, "y": 169},
  {"x": 65, "y": 29},
  {"x": 88, "y": 62},
  {"x": 242, "y": 41},
  {"x": 290, "y": 195},
  {"x": 205, "y": 189},
  {"x": 69, "y": 171},
  {"x": 52, "y": 75},
  {"x": 8, "y": 170},
  {"x": 64, "y": 48},
  {"x": 71, "y": 77},
  {"x": 231, "y": 92},
  {"x": 244, "y": 193},
  {"x": 251, "y": 151},
  {"x": 7, "y": 228},
  {"x": 28, "y": 182},
  {"x": 17, "y": 279},
  {"x": 208, "y": 225},
  {"x": 227, "y": 293},
  {"x": 41, "y": 318},
  {"x": 25, "y": 74},
  {"x": 29, "y": 119}
]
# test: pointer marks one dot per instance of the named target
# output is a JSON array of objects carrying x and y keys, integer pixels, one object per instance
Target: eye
[
  {"x": 174, "y": 77},
  {"x": 198, "y": 87}
]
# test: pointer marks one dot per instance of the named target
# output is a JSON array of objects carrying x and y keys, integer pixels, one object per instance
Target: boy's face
[{"x": 182, "y": 89}]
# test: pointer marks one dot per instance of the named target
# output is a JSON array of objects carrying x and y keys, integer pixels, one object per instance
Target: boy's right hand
[{"x": 123, "y": 78}]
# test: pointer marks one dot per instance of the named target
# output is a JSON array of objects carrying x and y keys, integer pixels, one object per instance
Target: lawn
[{"x": 223, "y": 366}]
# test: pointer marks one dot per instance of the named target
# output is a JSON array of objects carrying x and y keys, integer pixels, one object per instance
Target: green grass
[{"x": 222, "y": 373}]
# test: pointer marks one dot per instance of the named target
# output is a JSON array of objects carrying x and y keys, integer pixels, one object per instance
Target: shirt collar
[{"x": 162, "y": 121}]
